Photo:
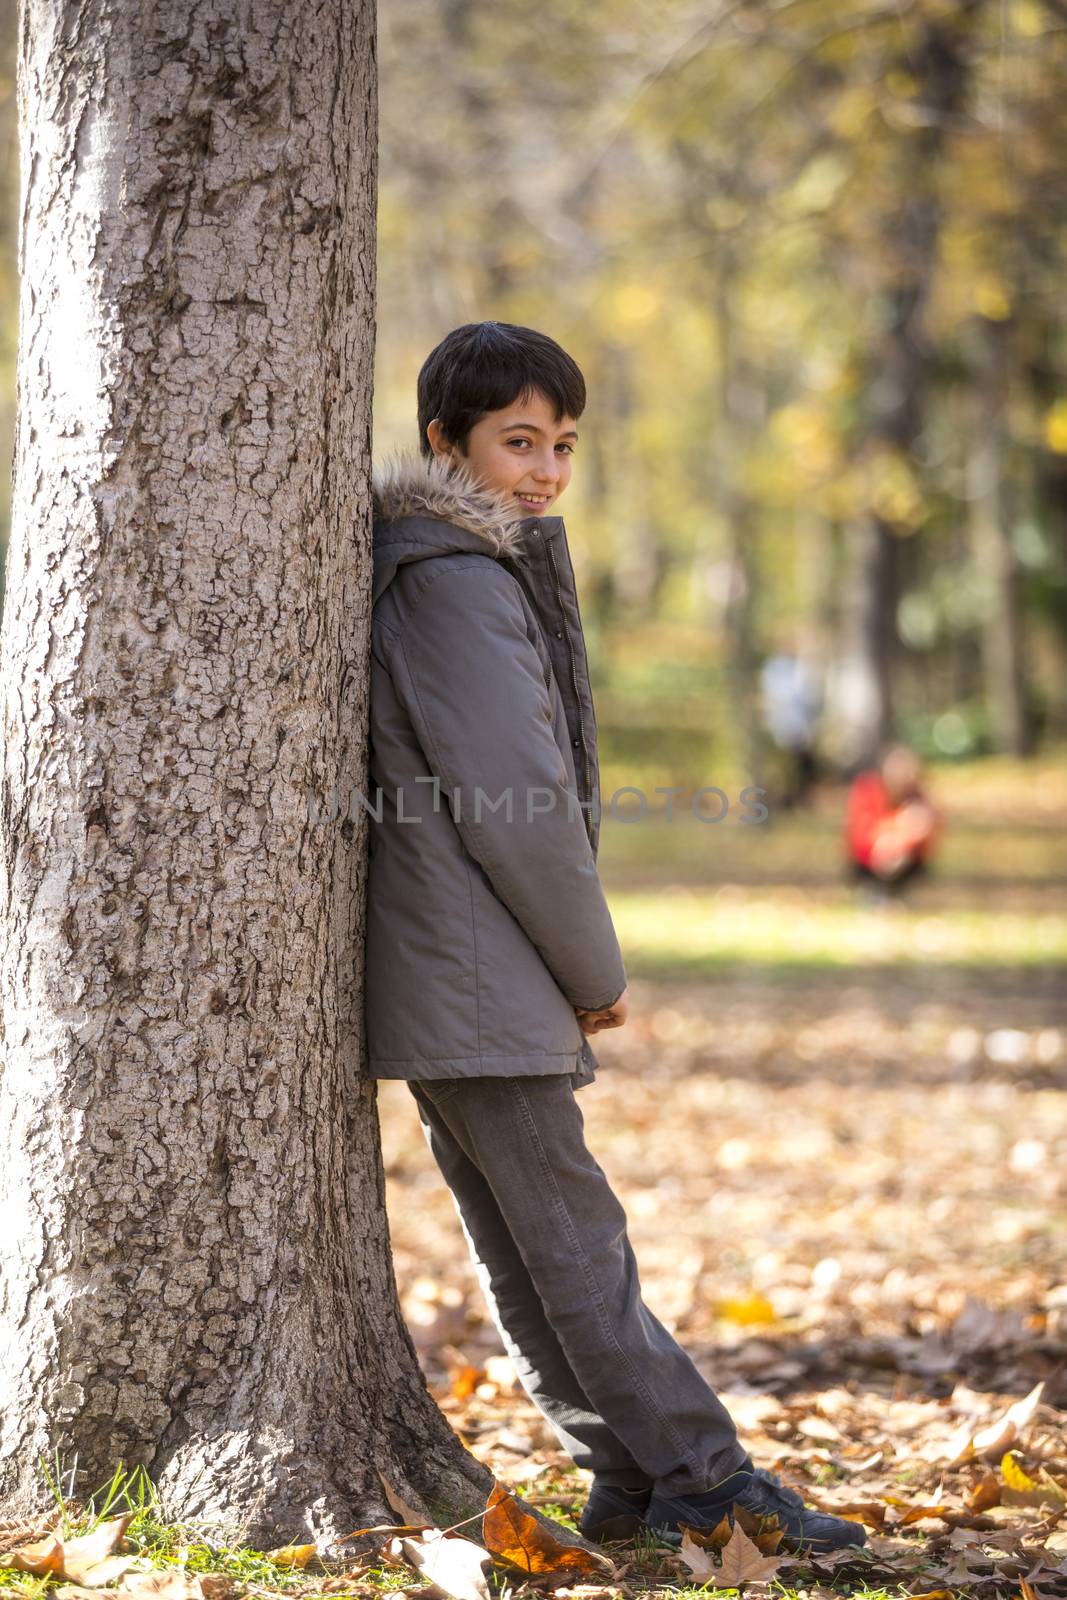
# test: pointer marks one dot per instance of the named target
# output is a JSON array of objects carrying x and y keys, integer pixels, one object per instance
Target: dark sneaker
[
  {"x": 763, "y": 1494},
  {"x": 613, "y": 1513}
]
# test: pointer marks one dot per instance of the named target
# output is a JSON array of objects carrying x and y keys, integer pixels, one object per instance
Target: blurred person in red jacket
[{"x": 892, "y": 829}]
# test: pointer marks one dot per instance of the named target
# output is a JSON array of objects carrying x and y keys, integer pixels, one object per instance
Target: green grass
[
  {"x": 678, "y": 931},
  {"x": 807, "y": 850},
  {"x": 161, "y": 1544},
  {"x": 1005, "y": 825}
]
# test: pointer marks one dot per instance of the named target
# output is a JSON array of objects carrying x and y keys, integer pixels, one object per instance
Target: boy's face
[{"x": 521, "y": 450}]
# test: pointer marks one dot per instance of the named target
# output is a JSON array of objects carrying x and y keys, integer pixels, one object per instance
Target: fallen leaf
[
  {"x": 742, "y": 1561},
  {"x": 1022, "y": 1490},
  {"x": 85, "y": 1560},
  {"x": 450, "y": 1561},
  {"x": 765, "y": 1531},
  {"x": 400, "y": 1506},
  {"x": 995, "y": 1439},
  {"x": 512, "y": 1535},
  {"x": 708, "y": 1538},
  {"x": 747, "y": 1311},
  {"x": 860, "y": 1466},
  {"x": 587, "y": 1591},
  {"x": 918, "y": 1507},
  {"x": 986, "y": 1493},
  {"x": 292, "y": 1555},
  {"x": 500, "y": 1370},
  {"x": 43, "y": 1556},
  {"x": 815, "y": 1427},
  {"x": 172, "y": 1585},
  {"x": 384, "y": 1527},
  {"x": 697, "y": 1557},
  {"x": 466, "y": 1380},
  {"x": 917, "y": 1514},
  {"x": 870, "y": 1511}
]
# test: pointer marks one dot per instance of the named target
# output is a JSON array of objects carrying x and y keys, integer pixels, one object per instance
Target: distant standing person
[
  {"x": 792, "y": 701},
  {"x": 892, "y": 829}
]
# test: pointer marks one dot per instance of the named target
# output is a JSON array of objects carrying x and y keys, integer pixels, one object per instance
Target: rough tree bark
[
  {"x": 936, "y": 58},
  {"x": 198, "y": 1274},
  {"x": 989, "y": 500}
]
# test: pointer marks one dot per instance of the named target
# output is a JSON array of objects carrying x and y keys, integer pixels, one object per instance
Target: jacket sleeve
[{"x": 475, "y": 690}]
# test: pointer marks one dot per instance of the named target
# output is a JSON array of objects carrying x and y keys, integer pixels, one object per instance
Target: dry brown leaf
[
  {"x": 918, "y": 1513},
  {"x": 742, "y": 1561},
  {"x": 411, "y": 1517},
  {"x": 870, "y": 1511},
  {"x": 985, "y": 1493},
  {"x": 863, "y": 1465},
  {"x": 764, "y": 1530},
  {"x": 697, "y": 1558},
  {"x": 708, "y": 1538},
  {"x": 43, "y": 1556},
  {"x": 172, "y": 1585},
  {"x": 384, "y": 1527},
  {"x": 816, "y": 1427},
  {"x": 513, "y": 1536},
  {"x": 587, "y": 1591},
  {"x": 86, "y": 1560},
  {"x": 450, "y": 1561},
  {"x": 992, "y": 1441},
  {"x": 394, "y": 1554}
]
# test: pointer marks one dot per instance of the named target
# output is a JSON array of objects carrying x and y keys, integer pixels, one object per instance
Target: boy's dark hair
[{"x": 484, "y": 366}]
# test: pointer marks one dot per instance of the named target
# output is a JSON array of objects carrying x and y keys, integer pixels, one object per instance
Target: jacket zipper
[{"x": 574, "y": 676}]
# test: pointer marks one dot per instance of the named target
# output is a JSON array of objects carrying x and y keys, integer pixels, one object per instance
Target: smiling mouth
[{"x": 534, "y": 499}]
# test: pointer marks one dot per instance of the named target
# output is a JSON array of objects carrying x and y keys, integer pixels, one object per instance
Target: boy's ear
[{"x": 438, "y": 441}]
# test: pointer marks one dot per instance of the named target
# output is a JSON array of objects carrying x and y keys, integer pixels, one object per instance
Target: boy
[{"x": 491, "y": 954}]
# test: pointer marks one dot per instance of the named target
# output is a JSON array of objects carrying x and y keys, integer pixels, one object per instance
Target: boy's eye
[{"x": 568, "y": 447}]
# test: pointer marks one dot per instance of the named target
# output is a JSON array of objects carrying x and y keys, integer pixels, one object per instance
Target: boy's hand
[{"x": 610, "y": 1017}]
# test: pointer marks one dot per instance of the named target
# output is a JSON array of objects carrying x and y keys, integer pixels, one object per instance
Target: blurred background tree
[{"x": 809, "y": 256}]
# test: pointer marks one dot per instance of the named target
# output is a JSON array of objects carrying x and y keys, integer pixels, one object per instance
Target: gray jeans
[{"x": 548, "y": 1239}]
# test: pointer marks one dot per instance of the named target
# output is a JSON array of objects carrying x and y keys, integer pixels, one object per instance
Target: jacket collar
[{"x": 424, "y": 508}]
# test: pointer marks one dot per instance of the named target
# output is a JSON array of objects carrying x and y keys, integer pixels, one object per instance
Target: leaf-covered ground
[{"x": 840, "y": 1134}]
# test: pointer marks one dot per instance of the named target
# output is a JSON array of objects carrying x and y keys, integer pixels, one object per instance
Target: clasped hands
[{"x": 608, "y": 1017}]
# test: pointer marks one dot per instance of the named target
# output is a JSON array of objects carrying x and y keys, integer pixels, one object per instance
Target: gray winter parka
[{"x": 486, "y": 920}]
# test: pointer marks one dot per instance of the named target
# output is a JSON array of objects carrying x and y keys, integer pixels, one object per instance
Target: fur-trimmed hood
[
  {"x": 410, "y": 484},
  {"x": 424, "y": 507}
]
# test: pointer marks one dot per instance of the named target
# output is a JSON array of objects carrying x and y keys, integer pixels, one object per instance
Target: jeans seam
[{"x": 594, "y": 1287}]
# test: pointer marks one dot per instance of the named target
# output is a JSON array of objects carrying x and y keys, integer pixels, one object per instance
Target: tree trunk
[
  {"x": 740, "y": 403},
  {"x": 198, "y": 1275},
  {"x": 936, "y": 58},
  {"x": 990, "y": 527}
]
